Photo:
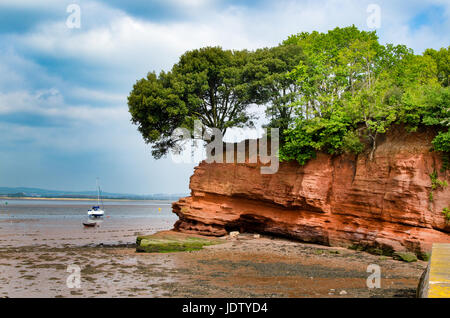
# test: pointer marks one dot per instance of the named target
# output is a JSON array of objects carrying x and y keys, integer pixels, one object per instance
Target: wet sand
[
  {"x": 56, "y": 223},
  {"x": 70, "y": 232},
  {"x": 243, "y": 267}
]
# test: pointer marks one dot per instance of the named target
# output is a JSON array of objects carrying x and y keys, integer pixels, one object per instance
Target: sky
[{"x": 63, "y": 87}]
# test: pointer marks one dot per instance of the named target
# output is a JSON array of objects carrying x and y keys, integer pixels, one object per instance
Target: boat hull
[{"x": 96, "y": 213}]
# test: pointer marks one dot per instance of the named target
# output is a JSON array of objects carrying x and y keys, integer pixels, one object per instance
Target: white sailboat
[{"x": 96, "y": 211}]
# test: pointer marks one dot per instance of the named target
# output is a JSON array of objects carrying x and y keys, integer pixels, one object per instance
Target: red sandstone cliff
[{"x": 338, "y": 201}]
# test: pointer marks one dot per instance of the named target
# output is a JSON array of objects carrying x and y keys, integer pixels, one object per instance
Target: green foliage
[
  {"x": 166, "y": 243},
  {"x": 213, "y": 86},
  {"x": 346, "y": 71},
  {"x": 405, "y": 257},
  {"x": 207, "y": 84},
  {"x": 429, "y": 105},
  {"x": 442, "y": 141},
  {"x": 424, "y": 256},
  {"x": 426, "y": 105},
  {"x": 442, "y": 59},
  {"x": 266, "y": 71},
  {"x": 298, "y": 144},
  {"x": 156, "y": 106},
  {"x": 433, "y": 177},
  {"x": 446, "y": 212},
  {"x": 437, "y": 183},
  {"x": 331, "y": 67},
  {"x": 325, "y": 91},
  {"x": 376, "y": 250},
  {"x": 352, "y": 143},
  {"x": 316, "y": 134}
]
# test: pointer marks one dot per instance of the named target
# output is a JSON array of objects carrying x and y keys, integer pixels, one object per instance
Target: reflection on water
[
  {"x": 58, "y": 208},
  {"x": 25, "y": 222}
]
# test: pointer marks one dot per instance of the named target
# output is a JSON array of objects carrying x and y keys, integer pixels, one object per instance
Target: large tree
[
  {"x": 331, "y": 67},
  {"x": 442, "y": 59},
  {"x": 267, "y": 73},
  {"x": 206, "y": 84},
  {"x": 352, "y": 89}
]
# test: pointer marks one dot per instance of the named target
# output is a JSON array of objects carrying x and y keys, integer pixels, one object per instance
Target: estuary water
[{"x": 59, "y": 222}]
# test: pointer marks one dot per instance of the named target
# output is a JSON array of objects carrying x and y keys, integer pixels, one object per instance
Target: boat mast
[{"x": 98, "y": 194}]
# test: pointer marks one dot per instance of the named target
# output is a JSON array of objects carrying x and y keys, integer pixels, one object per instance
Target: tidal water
[{"x": 59, "y": 222}]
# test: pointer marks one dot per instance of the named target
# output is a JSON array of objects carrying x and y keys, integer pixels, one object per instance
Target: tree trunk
[{"x": 374, "y": 146}]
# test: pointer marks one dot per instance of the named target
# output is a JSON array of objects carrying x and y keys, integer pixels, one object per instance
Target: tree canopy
[
  {"x": 335, "y": 92},
  {"x": 267, "y": 72},
  {"x": 207, "y": 84},
  {"x": 352, "y": 89}
]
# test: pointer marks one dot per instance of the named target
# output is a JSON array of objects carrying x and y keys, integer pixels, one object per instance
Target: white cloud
[
  {"x": 50, "y": 103},
  {"x": 98, "y": 95},
  {"x": 27, "y": 4},
  {"x": 125, "y": 42},
  {"x": 125, "y": 48}
]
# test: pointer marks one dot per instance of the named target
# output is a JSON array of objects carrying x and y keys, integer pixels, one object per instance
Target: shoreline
[{"x": 244, "y": 266}]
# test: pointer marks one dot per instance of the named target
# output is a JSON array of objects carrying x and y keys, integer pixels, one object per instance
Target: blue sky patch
[{"x": 84, "y": 75}]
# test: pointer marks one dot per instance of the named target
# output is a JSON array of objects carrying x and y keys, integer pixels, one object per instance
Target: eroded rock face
[{"x": 339, "y": 201}]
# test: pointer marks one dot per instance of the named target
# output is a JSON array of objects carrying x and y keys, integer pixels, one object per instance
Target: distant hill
[{"x": 44, "y": 193}]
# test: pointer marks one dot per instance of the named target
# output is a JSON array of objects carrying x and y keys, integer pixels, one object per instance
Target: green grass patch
[
  {"x": 405, "y": 256},
  {"x": 446, "y": 212},
  {"x": 176, "y": 243},
  {"x": 375, "y": 250},
  {"x": 424, "y": 256}
]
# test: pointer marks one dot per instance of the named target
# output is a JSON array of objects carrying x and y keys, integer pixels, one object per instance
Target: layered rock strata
[{"x": 344, "y": 200}]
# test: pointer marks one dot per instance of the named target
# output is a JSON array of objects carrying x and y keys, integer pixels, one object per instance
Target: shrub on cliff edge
[{"x": 348, "y": 78}]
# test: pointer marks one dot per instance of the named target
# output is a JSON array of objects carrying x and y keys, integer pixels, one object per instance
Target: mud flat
[{"x": 241, "y": 267}]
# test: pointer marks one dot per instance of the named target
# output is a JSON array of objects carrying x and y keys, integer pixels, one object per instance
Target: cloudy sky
[{"x": 63, "y": 109}]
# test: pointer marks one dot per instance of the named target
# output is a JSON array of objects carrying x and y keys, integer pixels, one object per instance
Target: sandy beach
[
  {"x": 246, "y": 267},
  {"x": 40, "y": 240},
  {"x": 58, "y": 223}
]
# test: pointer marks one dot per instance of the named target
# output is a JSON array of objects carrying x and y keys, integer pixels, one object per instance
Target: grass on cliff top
[{"x": 166, "y": 242}]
